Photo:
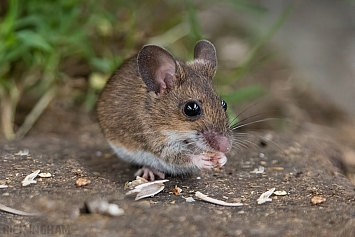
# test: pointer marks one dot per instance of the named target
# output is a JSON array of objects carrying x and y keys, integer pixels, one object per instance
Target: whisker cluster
[{"x": 239, "y": 140}]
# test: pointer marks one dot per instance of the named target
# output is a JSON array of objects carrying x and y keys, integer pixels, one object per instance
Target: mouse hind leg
[
  {"x": 149, "y": 173},
  {"x": 146, "y": 159}
]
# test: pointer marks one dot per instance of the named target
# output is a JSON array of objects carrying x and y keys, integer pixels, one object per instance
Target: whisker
[
  {"x": 239, "y": 149},
  {"x": 232, "y": 121},
  {"x": 258, "y": 121},
  {"x": 252, "y": 133},
  {"x": 241, "y": 135},
  {"x": 245, "y": 110},
  {"x": 241, "y": 144},
  {"x": 245, "y": 141},
  {"x": 267, "y": 139},
  {"x": 245, "y": 119}
]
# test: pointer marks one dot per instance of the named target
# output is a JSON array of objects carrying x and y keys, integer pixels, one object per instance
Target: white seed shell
[
  {"x": 29, "y": 179},
  {"x": 265, "y": 196}
]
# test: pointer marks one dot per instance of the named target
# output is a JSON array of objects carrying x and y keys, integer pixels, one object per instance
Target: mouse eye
[
  {"x": 224, "y": 105},
  {"x": 192, "y": 109}
]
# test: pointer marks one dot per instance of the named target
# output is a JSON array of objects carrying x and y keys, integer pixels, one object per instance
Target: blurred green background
[{"x": 67, "y": 50}]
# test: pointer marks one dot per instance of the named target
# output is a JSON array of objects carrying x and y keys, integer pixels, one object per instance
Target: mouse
[{"x": 163, "y": 114}]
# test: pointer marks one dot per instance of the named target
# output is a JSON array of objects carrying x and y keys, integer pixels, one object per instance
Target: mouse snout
[{"x": 217, "y": 141}]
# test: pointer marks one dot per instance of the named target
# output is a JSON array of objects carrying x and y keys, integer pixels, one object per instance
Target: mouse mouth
[
  {"x": 195, "y": 149},
  {"x": 209, "y": 153},
  {"x": 203, "y": 144}
]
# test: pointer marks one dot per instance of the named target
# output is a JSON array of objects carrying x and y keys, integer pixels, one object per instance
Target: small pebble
[
  {"x": 317, "y": 200},
  {"x": 82, "y": 182}
]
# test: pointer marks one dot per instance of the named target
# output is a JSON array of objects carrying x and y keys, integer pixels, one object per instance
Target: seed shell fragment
[
  {"x": 216, "y": 201},
  {"x": 176, "y": 190},
  {"x": 265, "y": 197},
  {"x": 29, "y": 179},
  {"x": 147, "y": 189}
]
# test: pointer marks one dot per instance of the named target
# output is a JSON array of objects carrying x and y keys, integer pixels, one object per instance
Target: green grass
[
  {"x": 39, "y": 37},
  {"x": 35, "y": 38}
]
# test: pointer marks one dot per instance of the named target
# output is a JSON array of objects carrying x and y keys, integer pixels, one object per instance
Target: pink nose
[{"x": 218, "y": 142}]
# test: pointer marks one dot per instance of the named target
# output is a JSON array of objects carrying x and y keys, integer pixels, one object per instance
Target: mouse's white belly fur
[{"x": 148, "y": 159}]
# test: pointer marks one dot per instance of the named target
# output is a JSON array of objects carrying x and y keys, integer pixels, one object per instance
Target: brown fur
[{"x": 133, "y": 117}]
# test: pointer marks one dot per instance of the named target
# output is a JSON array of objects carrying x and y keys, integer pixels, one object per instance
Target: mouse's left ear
[
  {"x": 157, "y": 68},
  {"x": 206, "y": 51}
]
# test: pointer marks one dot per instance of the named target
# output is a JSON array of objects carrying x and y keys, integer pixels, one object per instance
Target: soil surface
[
  {"x": 314, "y": 159},
  {"x": 301, "y": 166}
]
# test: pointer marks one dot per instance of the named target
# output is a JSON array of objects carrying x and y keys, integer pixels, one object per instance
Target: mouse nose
[{"x": 218, "y": 142}]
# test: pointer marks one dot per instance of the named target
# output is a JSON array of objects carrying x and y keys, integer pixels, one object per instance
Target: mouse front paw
[
  {"x": 149, "y": 173},
  {"x": 209, "y": 161},
  {"x": 219, "y": 159}
]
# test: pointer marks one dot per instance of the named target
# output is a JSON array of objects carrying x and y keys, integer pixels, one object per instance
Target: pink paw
[
  {"x": 219, "y": 159},
  {"x": 209, "y": 161},
  {"x": 202, "y": 161},
  {"x": 149, "y": 173}
]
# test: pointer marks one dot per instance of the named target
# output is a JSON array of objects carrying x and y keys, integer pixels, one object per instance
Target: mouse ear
[
  {"x": 205, "y": 50},
  {"x": 157, "y": 68}
]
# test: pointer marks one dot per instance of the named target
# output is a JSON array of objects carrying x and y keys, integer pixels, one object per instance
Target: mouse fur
[{"x": 141, "y": 112}]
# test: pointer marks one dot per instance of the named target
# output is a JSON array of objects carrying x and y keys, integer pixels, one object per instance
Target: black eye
[
  {"x": 192, "y": 109},
  {"x": 224, "y": 105}
]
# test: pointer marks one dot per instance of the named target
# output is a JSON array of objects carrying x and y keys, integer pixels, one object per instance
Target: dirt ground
[
  {"x": 312, "y": 159},
  {"x": 300, "y": 165}
]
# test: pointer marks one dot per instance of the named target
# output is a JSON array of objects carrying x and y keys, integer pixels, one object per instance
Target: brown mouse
[{"x": 163, "y": 113}]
